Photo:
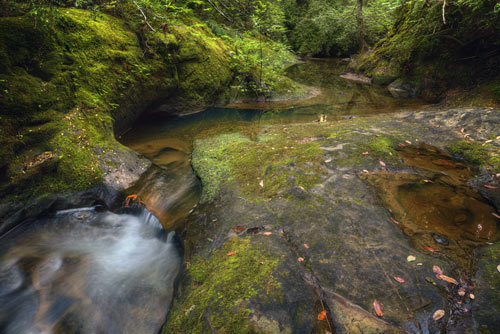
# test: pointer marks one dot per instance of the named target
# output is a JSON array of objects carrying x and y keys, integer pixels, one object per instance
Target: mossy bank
[{"x": 67, "y": 85}]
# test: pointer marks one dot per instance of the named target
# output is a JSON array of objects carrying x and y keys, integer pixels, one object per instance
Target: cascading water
[{"x": 88, "y": 271}]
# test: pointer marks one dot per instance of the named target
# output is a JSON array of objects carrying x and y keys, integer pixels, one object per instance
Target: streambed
[{"x": 331, "y": 173}]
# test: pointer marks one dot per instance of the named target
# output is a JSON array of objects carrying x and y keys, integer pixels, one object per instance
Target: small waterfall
[{"x": 88, "y": 271}]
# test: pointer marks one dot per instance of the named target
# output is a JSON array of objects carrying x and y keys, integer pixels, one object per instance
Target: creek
[{"x": 91, "y": 270}]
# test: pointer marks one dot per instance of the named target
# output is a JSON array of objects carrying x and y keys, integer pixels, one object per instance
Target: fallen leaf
[
  {"x": 430, "y": 249},
  {"x": 401, "y": 145},
  {"x": 430, "y": 280},
  {"x": 438, "y": 315},
  {"x": 394, "y": 221},
  {"x": 399, "y": 279},
  {"x": 471, "y": 296},
  {"x": 306, "y": 246},
  {"x": 411, "y": 258},
  {"x": 322, "y": 315},
  {"x": 498, "y": 268},
  {"x": 382, "y": 163},
  {"x": 437, "y": 270},
  {"x": 261, "y": 183},
  {"x": 428, "y": 181},
  {"x": 231, "y": 253},
  {"x": 365, "y": 171},
  {"x": 261, "y": 262},
  {"x": 462, "y": 130},
  {"x": 301, "y": 259},
  {"x": 267, "y": 233},
  {"x": 495, "y": 215},
  {"x": 377, "y": 308},
  {"x": 365, "y": 153},
  {"x": 461, "y": 292},
  {"x": 447, "y": 279},
  {"x": 408, "y": 142},
  {"x": 490, "y": 186},
  {"x": 238, "y": 229},
  {"x": 488, "y": 141}
]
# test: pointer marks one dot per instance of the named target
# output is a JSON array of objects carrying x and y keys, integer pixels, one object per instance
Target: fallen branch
[{"x": 145, "y": 17}]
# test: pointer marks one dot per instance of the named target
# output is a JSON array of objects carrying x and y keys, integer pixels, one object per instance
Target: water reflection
[{"x": 83, "y": 271}]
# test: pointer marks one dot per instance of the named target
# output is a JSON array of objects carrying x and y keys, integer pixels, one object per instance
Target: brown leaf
[
  {"x": 382, "y": 163},
  {"x": 447, "y": 279},
  {"x": 495, "y": 215},
  {"x": 238, "y": 229},
  {"x": 322, "y": 315},
  {"x": 490, "y": 186},
  {"x": 399, "y": 279},
  {"x": 377, "y": 308},
  {"x": 438, "y": 315},
  {"x": 437, "y": 270},
  {"x": 231, "y": 253}
]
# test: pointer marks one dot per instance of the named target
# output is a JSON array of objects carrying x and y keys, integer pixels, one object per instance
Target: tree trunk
[{"x": 361, "y": 29}]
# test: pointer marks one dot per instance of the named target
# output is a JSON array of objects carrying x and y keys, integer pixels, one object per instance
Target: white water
[{"x": 88, "y": 272}]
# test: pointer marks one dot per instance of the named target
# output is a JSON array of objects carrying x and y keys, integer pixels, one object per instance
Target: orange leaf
[
  {"x": 438, "y": 315},
  {"x": 399, "y": 279},
  {"x": 447, "y": 279},
  {"x": 437, "y": 270},
  {"x": 430, "y": 249},
  {"x": 267, "y": 233},
  {"x": 239, "y": 229},
  {"x": 231, "y": 253},
  {"x": 322, "y": 315},
  {"x": 306, "y": 246},
  {"x": 377, "y": 308}
]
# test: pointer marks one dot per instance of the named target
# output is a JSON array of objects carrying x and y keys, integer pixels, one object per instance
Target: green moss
[
  {"x": 221, "y": 288},
  {"x": 476, "y": 153},
  {"x": 62, "y": 83},
  {"x": 382, "y": 145},
  {"x": 267, "y": 167}
]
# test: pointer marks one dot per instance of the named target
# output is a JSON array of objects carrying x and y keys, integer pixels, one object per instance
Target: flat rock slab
[{"x": 304, "y": 206}]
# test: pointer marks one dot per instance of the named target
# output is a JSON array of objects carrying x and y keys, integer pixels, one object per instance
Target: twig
[
  {"x": 444, "y": 6},
  {"x": 145, "y": 17}
]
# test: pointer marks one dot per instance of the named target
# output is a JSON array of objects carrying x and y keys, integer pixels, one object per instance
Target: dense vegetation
[{"x": 440, "y": 46}]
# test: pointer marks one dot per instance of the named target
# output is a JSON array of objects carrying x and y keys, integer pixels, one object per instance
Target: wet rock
[{"x": 401, "y": 89}]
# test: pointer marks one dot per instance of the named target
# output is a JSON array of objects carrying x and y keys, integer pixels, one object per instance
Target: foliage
[
  {"x": 467, "y": 41},
  {"x": 328, "y": 28}
]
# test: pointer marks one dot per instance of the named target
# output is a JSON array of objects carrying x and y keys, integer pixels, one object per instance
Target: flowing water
[
  {"x": 88, "y": 271},
  {"x": 91, "y": 270}
]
